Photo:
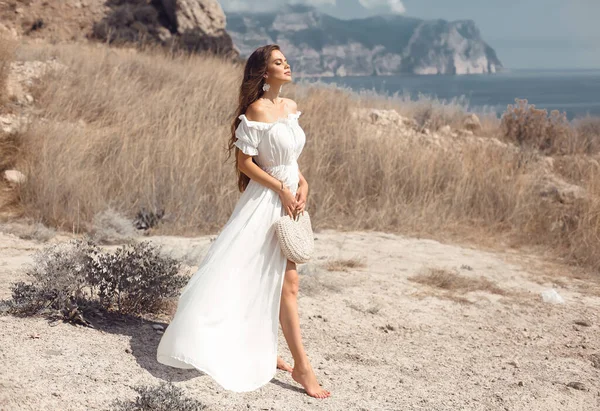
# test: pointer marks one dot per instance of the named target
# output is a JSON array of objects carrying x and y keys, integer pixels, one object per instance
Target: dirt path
[{"x": 377, "y": 340}]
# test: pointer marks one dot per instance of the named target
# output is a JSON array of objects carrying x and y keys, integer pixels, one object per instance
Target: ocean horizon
[{"x": 574, "y": 91}]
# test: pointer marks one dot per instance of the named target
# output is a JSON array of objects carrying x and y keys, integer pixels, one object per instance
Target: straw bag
[{"x": 295, "y": 237}]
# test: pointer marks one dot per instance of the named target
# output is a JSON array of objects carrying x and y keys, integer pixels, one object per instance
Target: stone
[
  {"x": 200, "y": 25},
  {"x": 577, "y": 385},
  {"x": 556, "y": 189},
  {"x": 14, "y": 176},
  {"x": 385, "y": 117},
  {"x": 471, "y": 122},
  {"x": 514, "y": 363}
]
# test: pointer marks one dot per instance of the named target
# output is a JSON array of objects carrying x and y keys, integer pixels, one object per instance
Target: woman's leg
[{"x": 290, "y": 324}]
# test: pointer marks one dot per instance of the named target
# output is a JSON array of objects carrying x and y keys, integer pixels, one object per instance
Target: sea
[{"x": 575, "y": 92}]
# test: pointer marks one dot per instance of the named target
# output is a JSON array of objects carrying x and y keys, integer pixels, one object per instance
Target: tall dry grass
[
  {"x": 129, "y": 130},
  {"x": 7, "y": 51}
]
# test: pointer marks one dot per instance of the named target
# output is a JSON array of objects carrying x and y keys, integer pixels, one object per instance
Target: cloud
[
  {"x": 315, "y": 3},
  {"x": 395, "y": 6},
  {"x": 269, "y": 5}
]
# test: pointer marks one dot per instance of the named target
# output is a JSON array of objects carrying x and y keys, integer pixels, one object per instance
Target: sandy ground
[{"x": 377, "y": 340}]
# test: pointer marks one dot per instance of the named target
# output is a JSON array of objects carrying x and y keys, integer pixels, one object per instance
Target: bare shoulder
[
  {"x": 257, "y": 112},
  {"x": 290, "y": 104}
]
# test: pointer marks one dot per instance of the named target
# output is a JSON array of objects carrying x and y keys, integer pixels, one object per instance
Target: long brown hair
[{"x": 250, "y": 91}]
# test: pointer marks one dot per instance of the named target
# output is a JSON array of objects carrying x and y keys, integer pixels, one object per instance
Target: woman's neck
[{"x": 272, "y": 93}]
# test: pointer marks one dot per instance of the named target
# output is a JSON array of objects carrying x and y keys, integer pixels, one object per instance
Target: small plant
[
  {"x": 527, "y": 126},
  {"x": 28, "y": 230},
  {"x": 72, "y": 279},
  {"x": 450, "y": 280},
  {"x": 164, "y": 397}
]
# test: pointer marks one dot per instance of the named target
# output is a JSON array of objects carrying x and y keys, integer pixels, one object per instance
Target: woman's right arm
[{"x": 254, "y": 172}]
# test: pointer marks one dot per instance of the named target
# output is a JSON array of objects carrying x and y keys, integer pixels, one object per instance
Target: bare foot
[
  {"x": 282, "y": 365},
  {"x": 305, "y": 376}
]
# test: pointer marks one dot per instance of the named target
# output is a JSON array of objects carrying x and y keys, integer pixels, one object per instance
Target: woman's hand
[
  {"x": 288, "y": 201},
  {"x": 301, "y": 197}
]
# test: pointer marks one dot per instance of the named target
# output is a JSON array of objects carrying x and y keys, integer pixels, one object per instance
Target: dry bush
[
  {"x": 527, "y": 126},
  {"x": 134, "y": 130},
  {"x": 73, "y": 279},
  {"x": 450, "y": 280},
  {"x": 28, "y": 230},
  {"x": 111, "y": 227}
]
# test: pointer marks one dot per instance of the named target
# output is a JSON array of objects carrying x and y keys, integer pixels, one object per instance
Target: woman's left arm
[{"x": 302, "y": 193}]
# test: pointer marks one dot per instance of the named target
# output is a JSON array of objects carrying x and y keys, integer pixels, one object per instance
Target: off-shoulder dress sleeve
[{"x": 248, "y": 135}]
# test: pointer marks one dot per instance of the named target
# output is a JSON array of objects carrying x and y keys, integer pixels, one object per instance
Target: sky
[{"x": 533, "y": 34}]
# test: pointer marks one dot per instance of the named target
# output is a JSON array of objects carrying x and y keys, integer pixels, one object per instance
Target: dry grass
[
  {"x": 344, "y": 264},
  {"x": 588, "y": 134},
  {"x": 134, "y": 130},
  {"x": 129, "y": 130},
  {"x": 452, "y": 281},
  {"x": 430, "y": 113},
  {"x": 7, "y": 51}
]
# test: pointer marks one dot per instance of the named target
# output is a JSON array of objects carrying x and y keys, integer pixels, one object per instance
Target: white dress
[{"x": 226, "y": 323}]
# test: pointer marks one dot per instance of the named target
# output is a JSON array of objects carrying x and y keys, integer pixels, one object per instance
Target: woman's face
[{"x": 278, "y": 69}]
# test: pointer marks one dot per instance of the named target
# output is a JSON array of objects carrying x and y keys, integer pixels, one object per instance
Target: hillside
[{"x": 193, "y": 25}]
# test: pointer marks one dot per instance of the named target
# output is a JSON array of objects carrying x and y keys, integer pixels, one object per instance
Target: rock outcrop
[
  {"x": 194, "y": 25},
  {"x": 317, "y": 44}
]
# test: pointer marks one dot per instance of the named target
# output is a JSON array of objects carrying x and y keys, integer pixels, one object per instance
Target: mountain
[{"x": 317, "y": 44}]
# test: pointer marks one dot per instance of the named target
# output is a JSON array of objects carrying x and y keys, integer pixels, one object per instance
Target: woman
[{"x": 226, "y": 322}]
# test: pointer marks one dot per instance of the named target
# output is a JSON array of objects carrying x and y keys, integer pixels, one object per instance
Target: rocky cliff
[
  {"x": 317, "y": 44},
  {"x": 195, "y": 25}
]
